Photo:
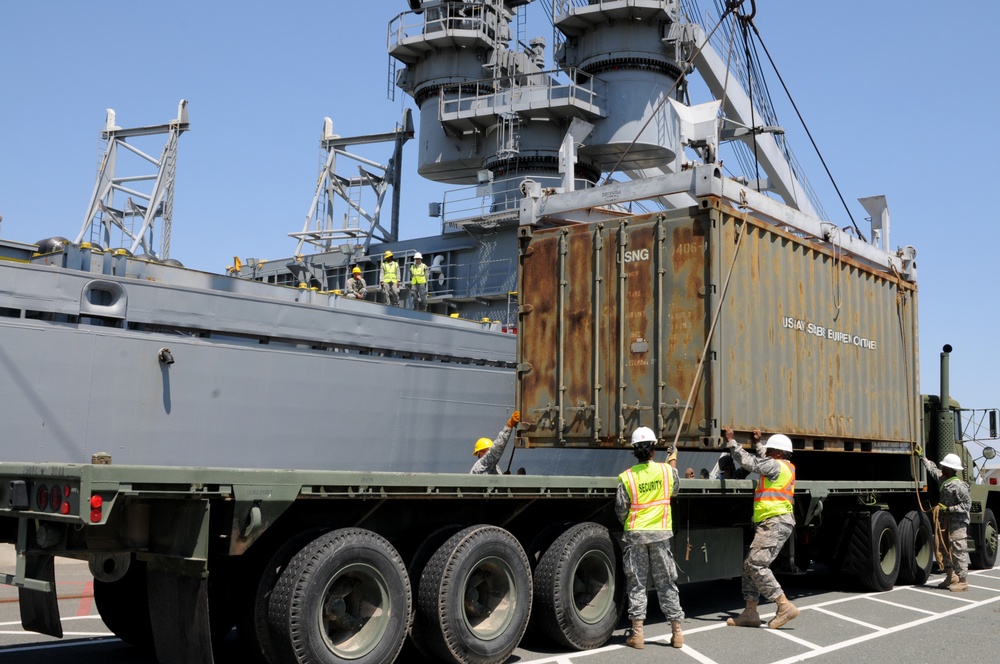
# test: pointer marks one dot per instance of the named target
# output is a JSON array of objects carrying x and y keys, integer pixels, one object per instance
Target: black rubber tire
[
  {"x": 124, "y": 606},
  {"x": 345, "y": 597},
  {"x": 985, "y": 537},
  {"x": 252, "y": 620},
  {"x": 478, "y": 563},
  {"x": 541, "y": 542},
  {"x": 416, "y": 567},
  {"x": 579, "y": 588},
  {"x": 916, "y": 548},
  {"x": 875, "y": 551}
]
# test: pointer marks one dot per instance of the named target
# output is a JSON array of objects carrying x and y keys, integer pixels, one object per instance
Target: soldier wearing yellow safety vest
[
  {"x": 774, "y": 523},
  {"x": 642, "y": 504},
  {"x": 418, "y": 282},
  {"x": 390, "y": 279}
]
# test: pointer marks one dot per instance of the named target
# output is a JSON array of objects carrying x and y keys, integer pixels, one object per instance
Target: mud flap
[
  {"x": 40, "y": 609},
  {"x": 178, "y": 610}
]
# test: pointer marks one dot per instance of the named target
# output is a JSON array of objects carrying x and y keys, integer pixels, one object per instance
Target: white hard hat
[
  {"x": 417, "y": 255},
  {"x": 643, "y": 435},
  {"x": 779, "y": 441},
  {"x": 952, "y": 461}
]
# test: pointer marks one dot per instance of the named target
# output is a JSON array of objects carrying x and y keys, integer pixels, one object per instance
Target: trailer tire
[
  {"x": 124, "y": 606},
  {"x": 985, "y": 537},
  {"x": 916, "y": 548},
  {"x": 578, "y": 589},
  {"x": 252, "y": 621},
  {"x": 416, "y": 567},
  {"x": 875, "y": 551},
  {"x": 345, "y": 597},
  {"x": 475, "y": 597}
]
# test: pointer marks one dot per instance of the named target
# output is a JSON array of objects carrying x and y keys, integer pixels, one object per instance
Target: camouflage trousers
[
  {"x": 638, "y": 560},
  {"x": 391, "y": 291},
  {"x": 758, "y": 579},
  {"x": 953, "y": 550},
  {"x": 420, "y": 297}
]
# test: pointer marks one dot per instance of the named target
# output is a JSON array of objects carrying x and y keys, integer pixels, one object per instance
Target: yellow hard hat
[
  {"x": 482, "y": 444},
  {"x": 356, "y": 270},
  {"x": 387, "y": 254}
]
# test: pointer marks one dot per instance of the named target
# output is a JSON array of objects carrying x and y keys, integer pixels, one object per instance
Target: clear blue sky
[{"x": 899, "y": 96}]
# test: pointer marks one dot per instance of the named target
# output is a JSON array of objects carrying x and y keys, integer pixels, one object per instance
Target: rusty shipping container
[{"x": 802, "y": 340}]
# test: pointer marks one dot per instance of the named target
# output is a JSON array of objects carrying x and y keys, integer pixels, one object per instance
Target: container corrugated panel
[{"x": 802, "y": 340}]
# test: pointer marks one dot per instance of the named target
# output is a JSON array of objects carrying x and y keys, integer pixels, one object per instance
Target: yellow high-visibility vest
[
  {"x": 777, "y": 497},
  {"x": 390, "y": 272},
  {"x": 418, "y": 274},
  {"x": 649, "y": 489}
]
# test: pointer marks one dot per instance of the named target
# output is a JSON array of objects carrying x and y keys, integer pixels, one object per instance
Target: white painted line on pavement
[
  {"x": 794, "y": 639},
  {"x": 947, "y": 593},
  {"x": 891, "y": 630},
  {"x": 695, "y": 655},
  {"x": 897, "y": 604},
  {"x": 52, "y": 645},
  {"x": 847, "y": 618}
]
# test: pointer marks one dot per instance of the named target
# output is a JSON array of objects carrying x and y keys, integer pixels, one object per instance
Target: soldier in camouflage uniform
[
  {"x": 356, "y": 286},
  {"x": 642, "y": 504},
  {"x": 952, "y": 512},
  {"x": 488, "y": 452},
  {"x": 774, "y": 523}
]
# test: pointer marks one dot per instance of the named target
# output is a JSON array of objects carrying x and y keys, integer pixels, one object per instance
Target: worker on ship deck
[
  {"x": 356, "y": 286},
  {"x": 389, "y": 279},
  {"x": 488, "y": 452},
  {"x": 773, "y": 523},
  {"x": 418, "y": 282}
]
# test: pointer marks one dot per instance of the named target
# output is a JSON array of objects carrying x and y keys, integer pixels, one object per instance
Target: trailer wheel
[
  {"x": 252, "y": 622},
  {"x": 875, "y": 550},
  {"x": 416, "y": 567},
  {"x": 124, "y": 606},
  {"x": 916, "y": 548},
  {"x": 475, "y": 597},
  {"x": 578, "y": 594},
  {"x": 345, "y": 597},
  {"x": 985, "y": 537}
]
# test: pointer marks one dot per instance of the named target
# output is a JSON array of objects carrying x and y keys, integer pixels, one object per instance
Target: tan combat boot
[
  {"x": 786, "y": 611},
  {"x": 961, "y": 585},
  {"x": 749, "y": 617},
  {"x": 676, "y": 635},
  {"x": 949, "y": 579},
  {"x": 634, "y": 639}
]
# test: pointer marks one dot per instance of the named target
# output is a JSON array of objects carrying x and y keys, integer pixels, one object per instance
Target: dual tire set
[
  {"x": 468, "y": 596},
  {"x": 884, "y": 552}
]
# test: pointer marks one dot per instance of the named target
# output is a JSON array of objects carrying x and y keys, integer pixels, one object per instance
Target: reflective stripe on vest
[
  {"x": 777, "y": 497},
  {"x": 648, "y": 487},
  {"x": 390, "y": 272},
  {"x": 418, "y": 274}
]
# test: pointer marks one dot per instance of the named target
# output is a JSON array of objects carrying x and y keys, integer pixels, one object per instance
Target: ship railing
[
  {"x": 448, "y": 19},
  {"x": 536, "y": 94},
  {"x": 492, "y": 203}
]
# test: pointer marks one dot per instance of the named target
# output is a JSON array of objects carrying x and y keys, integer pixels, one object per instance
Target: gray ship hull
[{"x": 262, "y": 376}]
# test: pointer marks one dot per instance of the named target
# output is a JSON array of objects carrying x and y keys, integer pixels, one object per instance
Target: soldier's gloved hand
[
  {"x": 919, "y": 451},
  {"x": 942, "y": 507},
  {"x": 514, "y": 419},
  {"x": 730, "y": 437}
]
